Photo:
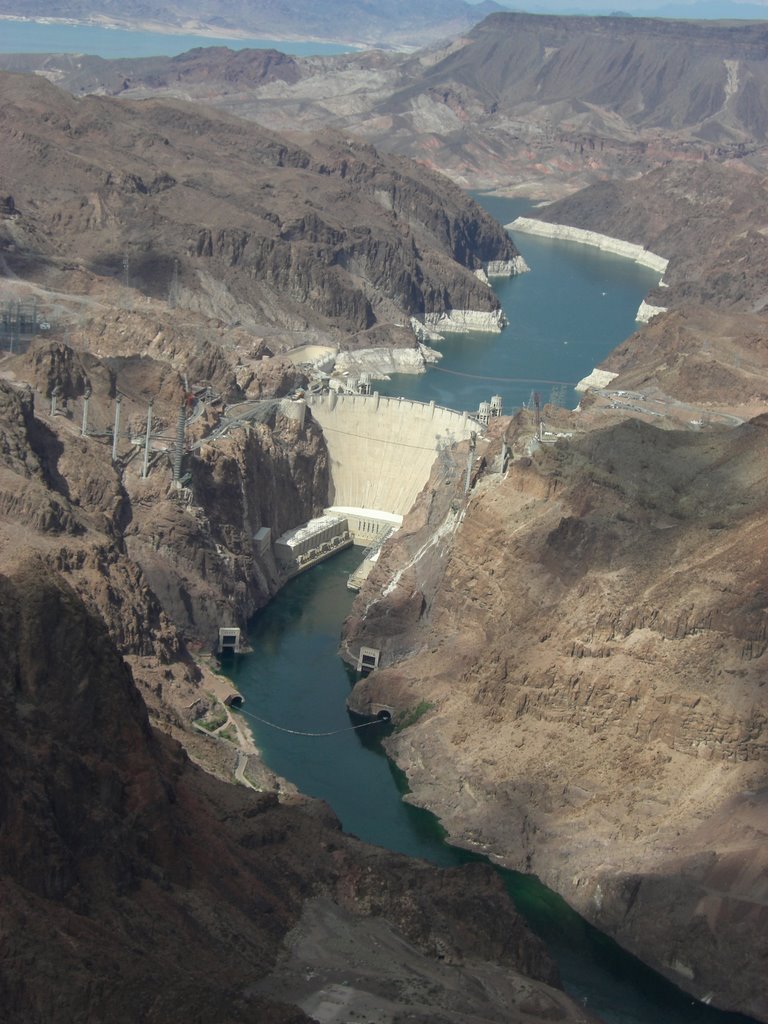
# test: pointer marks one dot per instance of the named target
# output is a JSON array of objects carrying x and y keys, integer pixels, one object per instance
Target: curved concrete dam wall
[{"x": 382, "y": 449}]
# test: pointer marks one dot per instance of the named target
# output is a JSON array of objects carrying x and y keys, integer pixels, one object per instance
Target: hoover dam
[{"x": 381, "y": 451}]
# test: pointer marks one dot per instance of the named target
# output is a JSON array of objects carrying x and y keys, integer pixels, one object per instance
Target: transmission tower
[
  {"x": 126, "y": 275},
  {"x": 557, "y": 395},
  {"x": 173, "y": 290}
]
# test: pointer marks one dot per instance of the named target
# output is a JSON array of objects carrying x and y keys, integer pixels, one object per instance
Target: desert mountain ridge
[
  {"x": 538, "y": 104},
  {"x": 314, "y": 234}
]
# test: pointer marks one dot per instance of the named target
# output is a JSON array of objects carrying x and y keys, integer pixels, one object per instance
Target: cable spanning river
[{"x": 565, "y": 316}]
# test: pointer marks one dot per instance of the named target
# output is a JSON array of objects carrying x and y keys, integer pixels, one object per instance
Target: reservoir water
[
  {"x": 112, "y": 43},
  {"x": 565, "y": 316},
  {"x": 296, "y": 680}
]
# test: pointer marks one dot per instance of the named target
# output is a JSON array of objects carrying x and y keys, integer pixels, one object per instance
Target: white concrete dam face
[{"x": 382, "y": 449}]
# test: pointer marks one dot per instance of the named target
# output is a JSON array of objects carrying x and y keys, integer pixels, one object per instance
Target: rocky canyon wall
[
  {"x": 136, "y": 887},
  {"x": 191, "y": 552},
  {"x": 585, "y": 644},
  {"x": 231, "y": 221}
]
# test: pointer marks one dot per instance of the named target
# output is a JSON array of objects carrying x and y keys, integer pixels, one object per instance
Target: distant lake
[{"x": 55, "y": 37}]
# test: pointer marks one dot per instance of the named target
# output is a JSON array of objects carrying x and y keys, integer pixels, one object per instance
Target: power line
[
  {"x": 298, "y": 732},
  {"x": 505, "y": 380},
  {"x": 378, "y": 440}
]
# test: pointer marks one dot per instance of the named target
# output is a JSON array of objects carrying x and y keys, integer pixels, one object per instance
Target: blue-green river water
[{"x": 565, "y": 316}]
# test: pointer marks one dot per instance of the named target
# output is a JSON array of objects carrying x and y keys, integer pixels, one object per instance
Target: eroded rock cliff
[
  {"x": 166, "y": 201},
  {"x": 134, "y": 886},
  {"x": 163, "y": 566},
  {"x": 201, "y": 559},
  {"x": 583, "y": 647}
]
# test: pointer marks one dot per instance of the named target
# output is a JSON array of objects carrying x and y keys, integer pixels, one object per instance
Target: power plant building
[{"x": 301, "y": 547}]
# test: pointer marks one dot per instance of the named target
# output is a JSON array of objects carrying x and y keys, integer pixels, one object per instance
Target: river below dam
[{"x": 565, "y": 316}]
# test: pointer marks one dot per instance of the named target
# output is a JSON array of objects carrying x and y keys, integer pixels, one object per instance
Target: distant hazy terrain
[
  {"x": 711, "y": 9},
  {"x": 537, "y": 104},
  {"x": 386, "y": 22}
]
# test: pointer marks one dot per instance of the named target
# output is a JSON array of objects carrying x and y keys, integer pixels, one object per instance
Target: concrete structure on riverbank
[{"x": 313, "y": 542}]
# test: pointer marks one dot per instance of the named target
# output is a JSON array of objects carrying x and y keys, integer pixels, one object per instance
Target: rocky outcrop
[
  {"x": 59, "y": 495},
  {"x": 457, "y": 321},
  {"x": 506, "y": 268},
  {"x": 202, "y": 559},
  {"x": 595, "y": 379},
  {"x": 105, "y": 879},
  {"x": 229, "y": 220},
  {"x": 586, "y": 646},
  {"x": 381, "y": 362},
  {"x": 136, "y": 545},
  {"x": 646, "y": 312}
]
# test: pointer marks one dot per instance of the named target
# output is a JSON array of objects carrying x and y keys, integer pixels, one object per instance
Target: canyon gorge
[{"x": 584, "y": 643}]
